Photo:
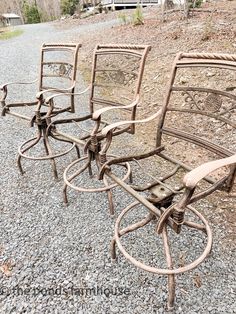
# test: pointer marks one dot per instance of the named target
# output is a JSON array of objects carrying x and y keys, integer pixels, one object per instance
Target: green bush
[
  {"x": 137, "y": 18},
  {"x": 195, "y": 3},
  {"x": 68, "y": 6},
  {"x": 31, "y": 13}
]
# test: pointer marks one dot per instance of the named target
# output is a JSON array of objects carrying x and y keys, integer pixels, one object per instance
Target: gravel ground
[{"x": 49, "y": 251}]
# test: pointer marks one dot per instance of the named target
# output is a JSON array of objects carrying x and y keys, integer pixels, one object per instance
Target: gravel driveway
[{"x": 55, "y": 250}]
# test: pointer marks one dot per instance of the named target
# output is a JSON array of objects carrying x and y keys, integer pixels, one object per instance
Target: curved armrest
[
  {"x": 192, "y": 178},
  {"x": 108, "y": 128},
  {"x": 64, "y": 90},
  {"x": 16, "y": 83},
  {"x": 99, "y": 112},
  {"x": 48, "y": 99}
]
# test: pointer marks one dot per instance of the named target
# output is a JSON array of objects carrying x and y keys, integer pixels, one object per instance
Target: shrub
[
  {"x": 123, "y": 17},
  {"x": 68, "y": 6},
  {"x": 195, "y": 3},
  {"x": 31, "y": 13},
  {"x": 137, "y": 18}
]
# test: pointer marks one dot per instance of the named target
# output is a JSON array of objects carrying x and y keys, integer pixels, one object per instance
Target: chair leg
[
  {"x": 64, "y": 141},
  {"x": 106, "y": 187},
  {"x": 110, "y": 200},
  {"x": 43, "y": 135},
  {"x": 37, "y": 139},
  {"x": 48, "y": 150},
  {"x": 210, "y": 253},
  {"x": 77, "y": 151},
  {"x": 128, "y": 229},
  {"x": 19, "y": 164},
  {"x": 65, "y": 198},
  {"x": 90, "y": 170},
  {"x": 171, "y": 292},
  {"x": 131, "y": 177},
  {"x": 113, "y": 249},
  {"x": 78, "y": 172},
  {"x": 171, "y": 278}
]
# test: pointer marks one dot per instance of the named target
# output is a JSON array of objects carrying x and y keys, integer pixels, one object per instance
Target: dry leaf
[
  {"x": 197, "y": 280},
  {"x": 6, "y": 268},
  {"x": 182, "y": 257}
]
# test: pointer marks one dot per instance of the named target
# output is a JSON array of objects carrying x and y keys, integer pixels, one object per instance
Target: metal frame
[
  {"x": 44, "y": 90},
  {"x": 93, "y": 141},
  {"x": 58, "y": 69},
  {"x": 163, "y": 209}
]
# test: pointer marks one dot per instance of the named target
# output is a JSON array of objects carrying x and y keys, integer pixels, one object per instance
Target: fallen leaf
[
  {"x": 6, "y": 268},
  {"x": 197, "y": 280},
  {"x": 182, "y": 258}
]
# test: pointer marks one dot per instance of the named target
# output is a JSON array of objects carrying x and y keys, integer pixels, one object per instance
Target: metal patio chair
[
  {"x": 117, "y": 73},
  {"x": 196, "y": 133},
  {"x": 57, "y": 74}
]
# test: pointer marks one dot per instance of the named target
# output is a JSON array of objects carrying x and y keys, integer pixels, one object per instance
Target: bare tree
[{"x": 167, "y": 6}]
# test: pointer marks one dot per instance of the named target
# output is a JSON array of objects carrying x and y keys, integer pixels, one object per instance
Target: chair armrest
[
  {"x": 97, "y": 114},
  {"x": 4, "y": 89},
  {"x": 109, "y": 128},
  {"x": 64, "y": 90},
  {"x": 192, "y": 178},
  {"x": 16, "y": 83},
  {"x": 70, "y": 120},
  {"x": 49, "y": 99}
]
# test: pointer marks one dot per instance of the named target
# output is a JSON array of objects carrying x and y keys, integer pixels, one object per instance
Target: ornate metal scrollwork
[
  {"x": 61, "y": 69},
  {"x": 203, "y": 101},
  {"x": 123, "y": 74},
  {"x": 118, "y": 77},
  {"x": 213, "y": 105},
  {"x": 213, "y": 102},
  {"x": 193, "y": 100}
]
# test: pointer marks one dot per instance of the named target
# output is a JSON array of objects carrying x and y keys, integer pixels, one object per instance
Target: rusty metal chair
[
  {"x": 58, "y": 66},
  {"x": 196, "y": 126},
  {"x": 117, "y": 73}
]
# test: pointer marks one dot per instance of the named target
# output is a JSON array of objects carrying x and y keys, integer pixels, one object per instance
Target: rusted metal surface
[
  {"x": 115, "y": 85},
  {"x": 58, "y": 66},
  {"x": 52, "y": 66},
  {"x": 116, "y": 78},
  {"x": 197, "y": 117}
]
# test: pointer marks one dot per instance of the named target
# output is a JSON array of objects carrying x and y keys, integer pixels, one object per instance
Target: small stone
[
  {"x": 114, "y": 310},
  {"x": 210, "y": 74},
  {"x": 183, "y": 80}
]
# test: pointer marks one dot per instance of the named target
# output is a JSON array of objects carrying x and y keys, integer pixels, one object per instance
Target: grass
[{"x": 7, "y": 33}]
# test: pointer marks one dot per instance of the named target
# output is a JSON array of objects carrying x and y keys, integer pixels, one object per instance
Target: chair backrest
[
  {"x": 200, "y": 107},
  {"x": 117, "y": 74},
  {"x": 58, "y": 68}
]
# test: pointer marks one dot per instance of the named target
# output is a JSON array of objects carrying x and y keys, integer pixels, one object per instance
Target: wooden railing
[{"x": 129, "y": 2}]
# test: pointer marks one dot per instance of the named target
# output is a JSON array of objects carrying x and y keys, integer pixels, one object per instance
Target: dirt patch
[{"x": 210, "y": 31}]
